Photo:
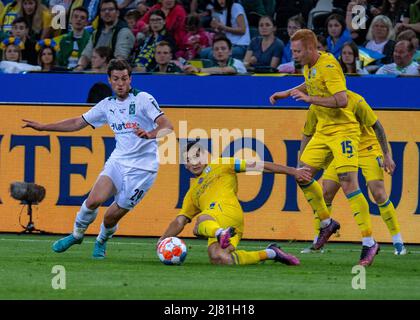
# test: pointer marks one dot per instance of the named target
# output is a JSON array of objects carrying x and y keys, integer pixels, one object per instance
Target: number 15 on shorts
[{"x": 347, "y": 148}]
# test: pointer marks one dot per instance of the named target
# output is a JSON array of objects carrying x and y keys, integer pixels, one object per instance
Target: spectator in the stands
[
  {"x": 321, "y": 43},
  {"x": 163, "y": 57},
  {"x": 145, "y": 60},
  {"x": 338, "y": 34},
  {"x": 131, "y": 17},
  {"x": 73, "y": 43},
  {"x": 12, "y": 57},
  {"x": 38, "y": 17},
  {"x": 349, "y": 59},
  {"x": 195, "y": 39},
  {"x": 20, "y": 29},
  {"x": 175, "y": 16},
  {"x": 12, "y": 49},
  {"x": 202, "y": 9},
  {"x": 223, "y": 62},
  {"x": 266, "y": 49},
  {"x": 47, "y": 52},
  {"x": 403, "y": 61},
  {"x": 293, "y": 24},
  {"x": 100, "y": 59},
  {"x": 230, "y": 18},
  {"x": 414, "y": 22},
  {"x": 380, "y": 38},
  {"x": 395, "y": 10},
  {"x": 410, "y": 35},
  {"x": 111, "y": 32},
  {"x": 8, "y": 15}
]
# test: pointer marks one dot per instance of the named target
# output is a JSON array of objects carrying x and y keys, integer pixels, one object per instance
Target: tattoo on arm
[{"x": 381, "y": 136}]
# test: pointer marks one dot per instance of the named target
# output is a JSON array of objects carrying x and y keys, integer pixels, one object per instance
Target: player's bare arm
[
  {"x": 174, "y": 228},
  {"x": 68, "y": 125},
  {"x": 301, "y": 174},
  {"x": 164, "y": 127},
  {"x": 389, "y": 164},
  {"x": 338, "y": 100},
  {"x": 285, "y": 94}
]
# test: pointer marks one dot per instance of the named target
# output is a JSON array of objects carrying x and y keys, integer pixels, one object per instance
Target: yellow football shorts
[
  {"x": 226, "y": 215},
  {"x": 321, "y": 150},
  {"x": 370, "y": 161}
]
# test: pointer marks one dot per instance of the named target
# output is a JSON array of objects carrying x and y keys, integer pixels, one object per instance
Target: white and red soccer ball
[{"x": 172, "y": 251}]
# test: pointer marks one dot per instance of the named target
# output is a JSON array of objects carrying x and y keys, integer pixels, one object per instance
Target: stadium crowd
[{"x": 210, "y": 36}]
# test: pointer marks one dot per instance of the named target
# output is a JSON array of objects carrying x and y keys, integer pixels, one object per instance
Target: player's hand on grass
[
  {"x": 389, "y": 164},
  {"x": 141, "y": 133},
  {"x": 32, "y": 124},
  {"x": 303, "y": 174},
  {"x": 278, "y": 95},
  {"x": 300, "y": 96}
]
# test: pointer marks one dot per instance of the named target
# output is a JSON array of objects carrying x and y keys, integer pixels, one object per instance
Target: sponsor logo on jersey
[
  {"x": 124, "y": 125},
  {"x": 207, "y": 170}
]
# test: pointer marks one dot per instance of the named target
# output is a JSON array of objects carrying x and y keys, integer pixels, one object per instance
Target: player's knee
[
  {"x": 93, "y": 202},
  {"x": 380, "y": 195},
  {"x": 328, "y": 196}
]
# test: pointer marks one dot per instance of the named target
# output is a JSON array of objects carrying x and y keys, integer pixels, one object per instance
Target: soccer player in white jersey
[{"x": 136, "y": 119}]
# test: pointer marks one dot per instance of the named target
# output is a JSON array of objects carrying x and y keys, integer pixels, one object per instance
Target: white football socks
[
  {"x": 106, "y": 233},
  {"x": 84, "y": 218}
]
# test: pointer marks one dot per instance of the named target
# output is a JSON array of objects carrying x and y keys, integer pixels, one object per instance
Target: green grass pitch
[{"x": 133, "y": 271}]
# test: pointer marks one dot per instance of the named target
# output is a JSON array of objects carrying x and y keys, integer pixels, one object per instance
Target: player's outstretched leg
[
  {"x": 99, "y": 250},
  {"x": 282, "y": 256},
  {"x": 368, "y": 254}
]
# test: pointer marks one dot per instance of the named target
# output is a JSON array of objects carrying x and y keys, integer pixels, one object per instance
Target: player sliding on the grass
[
  {"x": 212, "y": 198},
  {"x": 131, "y": 170}
]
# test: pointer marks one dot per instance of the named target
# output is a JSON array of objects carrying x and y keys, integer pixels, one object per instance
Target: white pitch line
[{"x": 194, "y": 245}]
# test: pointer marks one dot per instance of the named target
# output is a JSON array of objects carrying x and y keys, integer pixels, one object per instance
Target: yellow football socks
[
  {"x": 313, "y": 193},
  {"x": 361, "y": 214},
  {"x": 248, "y": 257},
  {"x": 389, "y": 215}
]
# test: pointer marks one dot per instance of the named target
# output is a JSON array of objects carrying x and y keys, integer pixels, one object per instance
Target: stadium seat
[{"x": 322, "y": 7}]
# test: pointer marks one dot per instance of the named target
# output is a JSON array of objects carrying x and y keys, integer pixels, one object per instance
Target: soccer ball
[{"x": 172, "y": 251}]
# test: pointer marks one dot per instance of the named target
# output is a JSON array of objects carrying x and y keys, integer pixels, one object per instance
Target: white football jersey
[{"x": 138, "y": 110}]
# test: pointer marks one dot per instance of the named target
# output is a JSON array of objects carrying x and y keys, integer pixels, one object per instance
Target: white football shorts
[{"x": 132, "y": 184}]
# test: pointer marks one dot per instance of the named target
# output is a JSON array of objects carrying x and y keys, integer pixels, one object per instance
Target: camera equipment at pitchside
[{"x": 29, "y": 194}]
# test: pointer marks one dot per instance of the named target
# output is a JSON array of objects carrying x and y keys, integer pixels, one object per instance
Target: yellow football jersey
[
  {"x": 217, "y": 183},
  {"x": 364, "y": 114},
  {"x": 324, "y": 79},
  {"x": 367, "y": 119}
]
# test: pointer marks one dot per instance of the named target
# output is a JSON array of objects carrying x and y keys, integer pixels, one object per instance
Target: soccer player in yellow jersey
[
  {"x": 212, "y": 199},
  {"x": 337, "y": 136},
  {"x": 372, "y": 162}
]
